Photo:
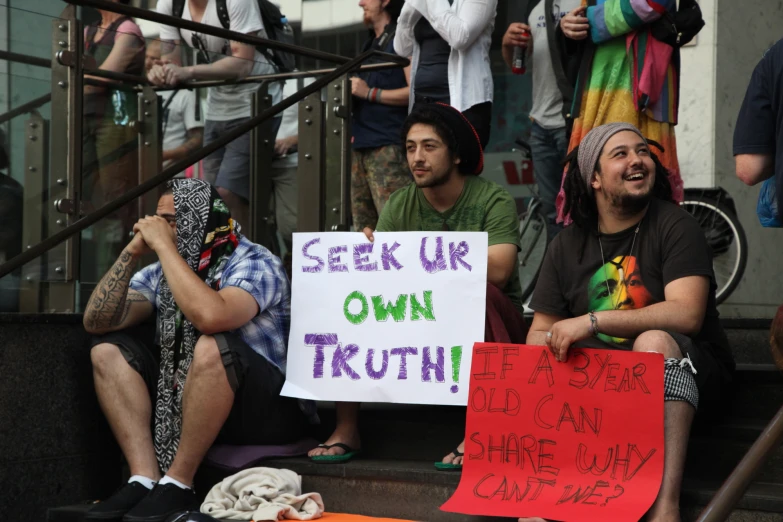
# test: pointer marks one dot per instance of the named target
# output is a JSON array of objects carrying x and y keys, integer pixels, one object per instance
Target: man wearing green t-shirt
[{"x": 445, "y": 158}]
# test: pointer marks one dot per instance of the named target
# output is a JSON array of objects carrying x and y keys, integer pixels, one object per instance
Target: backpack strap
[
  {"x": 222, "y": 11},
  {"x": 177, "y": 8}
]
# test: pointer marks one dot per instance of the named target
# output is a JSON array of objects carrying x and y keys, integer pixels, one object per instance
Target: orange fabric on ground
[{"x": 341, "y": 517}]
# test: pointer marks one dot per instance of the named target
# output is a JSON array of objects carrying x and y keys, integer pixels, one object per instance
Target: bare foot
[
  {"x": 533, "y": 519},
  {"x": 348, "y": 437},
  {"x": 452, "y": 459}
]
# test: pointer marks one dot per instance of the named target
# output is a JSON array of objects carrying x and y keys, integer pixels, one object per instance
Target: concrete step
[{"x": 415, "y": 490}]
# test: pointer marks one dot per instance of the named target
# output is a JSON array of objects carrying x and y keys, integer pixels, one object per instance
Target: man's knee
[
  {"x": 657, "y": 341},
  {"x": 206, "y": 354},
  {"x": 106, "y": 355}
]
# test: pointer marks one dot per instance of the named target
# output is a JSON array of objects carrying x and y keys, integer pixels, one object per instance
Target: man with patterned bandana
[
  {"x": 634, "y": 272},
  {"x": 216, "y": 366}
]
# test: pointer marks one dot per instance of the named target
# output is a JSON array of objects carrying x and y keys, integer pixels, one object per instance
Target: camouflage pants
[{"x": 375, "y": 174}]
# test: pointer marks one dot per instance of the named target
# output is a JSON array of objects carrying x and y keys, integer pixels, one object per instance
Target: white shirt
[
  {"x": 180, "y": 116},
  {"x": 547, "y": 108},
  {"x": 289, "y": 126},
  {"x": 228, "y": 102},
  {"x": 466, "y": 25}
]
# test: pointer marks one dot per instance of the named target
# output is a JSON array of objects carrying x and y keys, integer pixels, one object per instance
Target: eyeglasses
[{"x": 199, "y": 45}]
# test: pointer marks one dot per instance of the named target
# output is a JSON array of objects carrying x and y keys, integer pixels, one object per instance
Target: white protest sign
[{"x": 389, "y": 321}]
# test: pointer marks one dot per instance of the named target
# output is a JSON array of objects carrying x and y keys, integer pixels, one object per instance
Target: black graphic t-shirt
[{"x": 670, "y": 245}]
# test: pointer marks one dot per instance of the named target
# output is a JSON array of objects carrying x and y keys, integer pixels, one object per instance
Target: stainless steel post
[
  {"x": 337, "y": 143},
  {"x": 262, "y": 229},
  {"x": 65, "y": 182},
  {"x": 150, "y": 142},
  {"x": 36, "y": 171},
  {"x": 309, "y": 179}
]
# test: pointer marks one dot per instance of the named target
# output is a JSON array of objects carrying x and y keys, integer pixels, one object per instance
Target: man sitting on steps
[
  {"x": 222, "y": 306},
  {"x": 634, "y": 272},
  {"x": 445, "y": 157}
]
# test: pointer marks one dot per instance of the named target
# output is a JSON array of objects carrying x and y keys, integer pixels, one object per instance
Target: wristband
[
  {"x": 593, "y": 323},
  {"x": 378, "y": 96},
  {"x": 369, "y": 93}
]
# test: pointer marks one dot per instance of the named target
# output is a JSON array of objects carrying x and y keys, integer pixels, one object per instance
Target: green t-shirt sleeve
[
  {"x": 502, "y": 222},
  {"x": 389, "y": 220}
]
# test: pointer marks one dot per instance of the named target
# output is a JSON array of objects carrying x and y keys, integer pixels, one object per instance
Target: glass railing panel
[{"x": 25, "y": 177}]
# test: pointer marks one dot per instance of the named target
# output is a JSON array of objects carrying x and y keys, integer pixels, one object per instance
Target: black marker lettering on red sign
[
  {"x": 545, "y": 366},
  {"x": 567, "y": 416},
  {"x": 486, "y": 374},
  {"x": 593, "y": 468},
  {"x": 601, "y": 367},
  {"x": 584, "y": 378},
  {"x": 488, "y": 488},
  {"x": 509, "y": 402},
  {"x": 587, "y": 494},
  {"x": 506, "y": 366},
  {"x": 638, "y": 372},
  {"x": 475, "y": 440}
]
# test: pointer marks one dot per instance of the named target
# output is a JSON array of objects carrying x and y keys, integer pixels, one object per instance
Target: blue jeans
[{"x": 549, "y": 147}]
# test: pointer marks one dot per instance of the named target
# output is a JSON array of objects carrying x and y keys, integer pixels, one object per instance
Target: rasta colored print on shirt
[{"x": 618, "y": 285}]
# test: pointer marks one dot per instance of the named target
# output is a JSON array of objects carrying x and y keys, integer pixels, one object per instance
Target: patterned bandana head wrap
[
  {"x": 591, "y": 146},
  {"x": 206, "y": 238}
]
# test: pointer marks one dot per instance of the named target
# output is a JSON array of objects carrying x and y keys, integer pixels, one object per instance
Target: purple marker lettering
[
  {"x": 437, "y": 264},
  {"x": 384, "y": 364},
  {"x": 335, "y": 265},
  {"x": 404, "y": 353},
  {"x": 340, "y": 361},
  {"x": 456, "y": 253},
  {"x": 312, "y": 269},
  {"x": 387, "y": 257},
  {"x": 427, "y": 365},
  {"x": 361, "y": 258},
  {"x": 319, "y": 341}
]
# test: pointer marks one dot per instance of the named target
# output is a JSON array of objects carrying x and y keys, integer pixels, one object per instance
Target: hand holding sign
[{"x": 580, "y": 440}]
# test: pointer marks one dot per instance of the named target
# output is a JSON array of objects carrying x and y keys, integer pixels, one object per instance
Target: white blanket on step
[{"x": 262, "y": 494}]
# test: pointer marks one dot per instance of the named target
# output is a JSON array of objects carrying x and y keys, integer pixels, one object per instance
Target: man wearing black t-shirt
[
  {"x": 634, "y": 272},
  {"x": 758, "y": 136}
]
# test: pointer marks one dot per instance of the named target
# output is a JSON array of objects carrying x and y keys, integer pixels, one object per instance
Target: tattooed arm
[{"x": 113, "y": 306}]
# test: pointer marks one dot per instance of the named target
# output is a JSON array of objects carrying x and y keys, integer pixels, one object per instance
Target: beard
[
  {"x": 630, "y": 204},
  {"x": 432, "y": 180}
]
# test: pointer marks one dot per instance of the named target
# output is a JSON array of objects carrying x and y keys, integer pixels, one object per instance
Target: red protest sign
[{"x": 575, "y": 441}]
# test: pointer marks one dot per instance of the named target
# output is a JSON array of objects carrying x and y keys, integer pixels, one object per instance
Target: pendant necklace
[{"x": 620, "y": 267}]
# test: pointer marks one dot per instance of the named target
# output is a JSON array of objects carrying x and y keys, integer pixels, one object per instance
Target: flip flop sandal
[
  {"x": 334, "y": 459},
  {"x": 442, "y": 466}
]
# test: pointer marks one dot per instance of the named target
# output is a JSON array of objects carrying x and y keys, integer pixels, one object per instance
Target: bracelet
[
  {"x": 593, "y": 323},
  {"x": 378, "y": 96},
  {"x": 369, "y": 93}
]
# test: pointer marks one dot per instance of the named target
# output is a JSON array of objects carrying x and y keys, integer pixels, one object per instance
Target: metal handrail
[
  {"x": 169, "y": 172},
  {"x": 722, "y": 504},
  {"x": 219, "y": 32},
  {"x": 26, "y": 107},
  {"x": 25, "y": 59},
  {"x": 274, "y": 76}
]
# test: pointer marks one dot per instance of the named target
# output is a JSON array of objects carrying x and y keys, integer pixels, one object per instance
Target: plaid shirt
[
  {"x": 258, "y": 272},
  {"x": 255, "y": 270}
]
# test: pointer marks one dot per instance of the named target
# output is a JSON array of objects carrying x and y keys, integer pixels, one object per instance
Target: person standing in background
[
  {"x": 548, "y": 136},
  {"x": 283, "y": 172},
  {"x": 110, "y": 150},
  {"x": 183, "y": 115},
  {"x": 378, "y": 164},
  {"x": 228, "y": 106},
  {"x": 450, "y": 42}
]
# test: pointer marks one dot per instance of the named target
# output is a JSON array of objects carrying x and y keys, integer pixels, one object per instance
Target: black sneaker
[
  {"x": 122, "y": 501},
  {"x": 162, "y": 502}
]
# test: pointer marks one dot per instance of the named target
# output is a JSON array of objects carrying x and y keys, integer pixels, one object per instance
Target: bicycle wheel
[
  {"x": 533, "y": 243},
  {"x": 726, "y": 238}
]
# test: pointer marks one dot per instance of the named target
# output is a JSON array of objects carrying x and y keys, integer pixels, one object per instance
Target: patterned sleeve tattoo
[{"x": 110, "y": 302}]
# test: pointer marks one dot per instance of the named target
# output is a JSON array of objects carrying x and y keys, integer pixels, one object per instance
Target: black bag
[
  {"x": 275, "y": 24},
  {"x": 682, "y": 27}
]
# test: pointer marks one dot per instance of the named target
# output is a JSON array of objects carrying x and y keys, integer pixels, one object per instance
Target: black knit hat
[{"x": 464, "y": 138}]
